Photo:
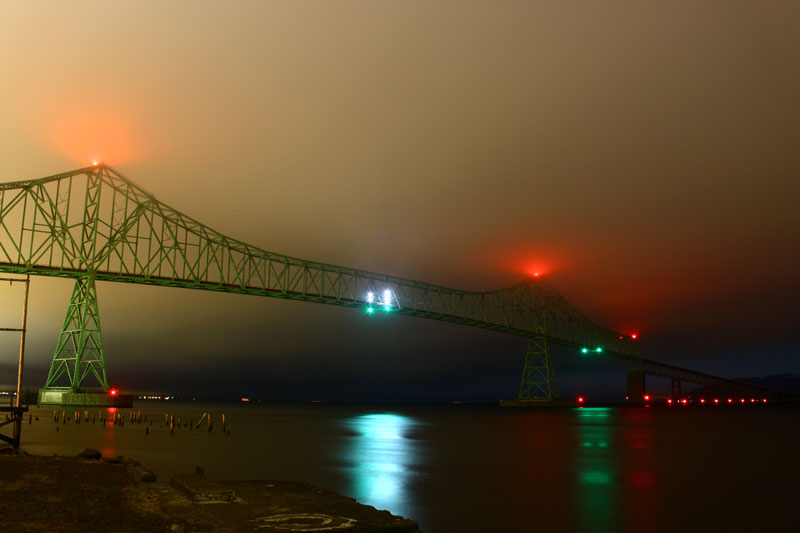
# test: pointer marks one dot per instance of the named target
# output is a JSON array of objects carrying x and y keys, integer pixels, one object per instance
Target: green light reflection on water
[
  {"x": 596, "y": 469},
  {"x": 380, "y": 459}
]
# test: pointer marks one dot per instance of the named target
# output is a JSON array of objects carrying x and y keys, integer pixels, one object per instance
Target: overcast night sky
[{"x": 643, "y": 155}]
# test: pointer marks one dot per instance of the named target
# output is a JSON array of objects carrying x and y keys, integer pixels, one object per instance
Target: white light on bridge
[
  {"x": 387, "y": 297},
  {"x": 370, "y": 297}
]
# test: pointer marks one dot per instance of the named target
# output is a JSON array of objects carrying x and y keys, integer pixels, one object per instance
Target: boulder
[{"x": 90, "y": 453}]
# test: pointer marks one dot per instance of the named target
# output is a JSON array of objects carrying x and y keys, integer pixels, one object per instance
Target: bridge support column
[
  {"x": 676, "y": 389},
  {"x": 79, "y": 353},
  {"x": 78, "y": 372},
  {"x": 636, "y": 389},
  {"x": 538, "y": 375}
]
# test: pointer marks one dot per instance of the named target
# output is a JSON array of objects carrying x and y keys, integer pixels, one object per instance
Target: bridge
[{"x": 94, "y": 224}]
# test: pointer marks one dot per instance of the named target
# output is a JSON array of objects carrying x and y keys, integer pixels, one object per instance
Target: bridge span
[{"x": 94, "y": 224}]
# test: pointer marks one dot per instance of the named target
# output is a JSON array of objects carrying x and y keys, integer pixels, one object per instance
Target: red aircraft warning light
[
  {"x": 741, "y": 400},
  {"x": 716, "y": 400},
  {"x": 647, "y": 397},
  {"x": 669, "y": 401},
  {"x": 765, "y": 400},
  {"x": 702, "y": 400},
  {"x": 113, "y": 392},
  {"x": 580, "y": 399},
  {"x": 634, "y": 336},
  {"x": 730, "y": 401},
  {"x": 684, "y": 401}
]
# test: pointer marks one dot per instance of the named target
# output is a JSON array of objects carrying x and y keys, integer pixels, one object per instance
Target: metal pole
[{"x": 18, "y": 411}]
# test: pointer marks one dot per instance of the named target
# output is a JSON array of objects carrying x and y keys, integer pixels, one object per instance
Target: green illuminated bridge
[{"x": 94, "y": 224}]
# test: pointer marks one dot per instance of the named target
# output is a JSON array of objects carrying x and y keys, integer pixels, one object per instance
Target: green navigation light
[
  {"x": 370, "y": 310},
  {"x": 598, "y": 349},
  {"x": 387, "y": 308},
  {"x": 584, "y": 350}
]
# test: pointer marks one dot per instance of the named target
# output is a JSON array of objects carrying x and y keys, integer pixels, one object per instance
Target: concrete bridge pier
[
  {"x": 676, "y": 390},
  {"x": 636, "y": 389}
]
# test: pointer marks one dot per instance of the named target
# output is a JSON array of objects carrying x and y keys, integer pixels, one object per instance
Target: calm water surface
[{"x": 482, "y": 469}]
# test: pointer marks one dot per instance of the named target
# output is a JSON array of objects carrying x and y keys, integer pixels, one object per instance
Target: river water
[{"x": 485, "y": 469}]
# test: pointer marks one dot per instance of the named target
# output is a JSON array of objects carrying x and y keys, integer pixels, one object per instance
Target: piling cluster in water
[{"x": 173, "y": 422}]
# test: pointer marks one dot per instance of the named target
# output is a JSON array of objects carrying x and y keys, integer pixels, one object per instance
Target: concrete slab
[
  {"x": 68, "y": 397},
  {"x": 200, "y": 489},
  {"x": 272, "y": 505}
]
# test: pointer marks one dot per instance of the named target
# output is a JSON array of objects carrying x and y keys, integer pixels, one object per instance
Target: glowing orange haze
[{"x": 89, "y": 137}]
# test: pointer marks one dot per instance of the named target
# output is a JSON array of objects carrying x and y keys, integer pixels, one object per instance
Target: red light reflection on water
[
  {"x": 109, "y": 448},
  {"x": 640, "y": 482},
  {"x": 643, "y": 479}
]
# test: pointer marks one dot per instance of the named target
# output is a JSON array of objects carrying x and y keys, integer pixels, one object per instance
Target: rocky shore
[{"x": 90, "y": 493}]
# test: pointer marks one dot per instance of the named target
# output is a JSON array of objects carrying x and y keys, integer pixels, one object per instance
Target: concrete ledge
[{"x": 68, "y": 397}]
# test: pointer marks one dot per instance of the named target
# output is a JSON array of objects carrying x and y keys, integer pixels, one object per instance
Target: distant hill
[{"x": 788, "y": 382}]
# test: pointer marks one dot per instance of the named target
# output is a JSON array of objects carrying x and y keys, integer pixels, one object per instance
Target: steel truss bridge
[{"x": 93, "y": 224}]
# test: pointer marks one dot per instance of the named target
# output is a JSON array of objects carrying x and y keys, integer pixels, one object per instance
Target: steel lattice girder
[
  {"x": 538, "y": 374},
  {"x": 79, "y": 353},
  {"x": 94, "y": 220}
]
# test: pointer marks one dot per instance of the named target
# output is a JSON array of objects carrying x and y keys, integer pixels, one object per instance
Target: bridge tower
[
  {"x": 78, "y": 372},
  {"x": 79, "y": 353},
  {"x": 538, "y": 376}
]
